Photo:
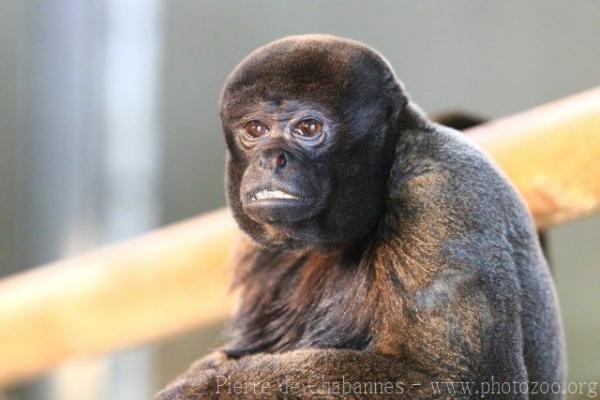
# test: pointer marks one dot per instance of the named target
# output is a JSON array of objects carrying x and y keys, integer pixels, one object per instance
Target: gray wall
[{"x": 491, "y": 58}]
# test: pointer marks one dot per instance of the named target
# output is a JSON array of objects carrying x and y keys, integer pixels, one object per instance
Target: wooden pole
[
  {"x": 156, "y": 285},
  {"x": 175, "y": 278},
  {"x": 552, "y": 154}
]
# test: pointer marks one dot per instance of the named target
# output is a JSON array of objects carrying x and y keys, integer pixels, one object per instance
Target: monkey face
[
  {"x": 284, "y": 181},
  {"x": 309, "y": 124}
]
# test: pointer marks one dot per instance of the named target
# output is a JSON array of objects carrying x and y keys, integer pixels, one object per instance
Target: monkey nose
[
  {"x": 276, "y": 160},
  {"x": 281, "y": 160}
]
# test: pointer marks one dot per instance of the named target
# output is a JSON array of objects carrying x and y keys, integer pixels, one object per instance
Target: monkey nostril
[{"x": 280, "y": 161}]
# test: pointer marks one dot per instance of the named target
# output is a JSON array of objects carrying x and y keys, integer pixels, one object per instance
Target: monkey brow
[{"x": 284, "y": 110}]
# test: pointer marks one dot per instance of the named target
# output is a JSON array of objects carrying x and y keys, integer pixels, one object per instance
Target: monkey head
[{"x": 310, "y": 124}]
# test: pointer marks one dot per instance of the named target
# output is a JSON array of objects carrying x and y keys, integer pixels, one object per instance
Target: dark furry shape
[{"x": 401, "y": 258}]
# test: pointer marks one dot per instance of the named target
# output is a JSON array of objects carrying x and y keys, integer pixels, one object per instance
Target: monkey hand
[
  {"x": 303, "y": 374},
  {"x": 211, "y": 361},
  {"x": 202, "y": 385},
  {"x": 197, "y": 382}
]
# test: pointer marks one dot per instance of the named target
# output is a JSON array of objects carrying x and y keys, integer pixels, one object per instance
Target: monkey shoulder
[
  {"x": 445, "y": 178},
  {"x": 458, "y": 213}
]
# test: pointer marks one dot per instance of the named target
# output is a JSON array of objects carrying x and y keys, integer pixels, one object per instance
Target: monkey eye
[
  {"x": 309, "y": 127},
  {"x": 256, "y": 128}
]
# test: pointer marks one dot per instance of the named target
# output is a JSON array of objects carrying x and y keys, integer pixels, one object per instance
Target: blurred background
[{"x": 109, "y": 128}]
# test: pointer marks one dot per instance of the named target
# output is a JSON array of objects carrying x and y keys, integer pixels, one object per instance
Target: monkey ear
[
  {"x": 397, "y": 105},
  {"x": 398, "y": 99},
  {"x": 391, "y": 112},
  {"x": 402, "y": 95}
]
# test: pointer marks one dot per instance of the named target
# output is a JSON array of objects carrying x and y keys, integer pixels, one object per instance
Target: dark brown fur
[{"x": 437, "y": 277}]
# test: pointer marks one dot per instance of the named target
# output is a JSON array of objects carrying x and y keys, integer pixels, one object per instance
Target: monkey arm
[
  {"x": 209, "y": 362},
  {"x": 312, "y": 373}
]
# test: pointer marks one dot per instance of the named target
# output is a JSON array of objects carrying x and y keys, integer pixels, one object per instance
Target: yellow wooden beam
[
  {"x": 175, "y": 278},
  {"x": 156, "y": 285},
  {"x": 552, "y": 154}
]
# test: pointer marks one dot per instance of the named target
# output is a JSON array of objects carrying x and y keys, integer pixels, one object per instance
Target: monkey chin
[
  {"x": 279, "y": 211},
  {"x": 305, "y": 235}
]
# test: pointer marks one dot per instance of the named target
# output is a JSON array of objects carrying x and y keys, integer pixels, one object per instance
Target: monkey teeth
[{"x": 273, "y": 194}]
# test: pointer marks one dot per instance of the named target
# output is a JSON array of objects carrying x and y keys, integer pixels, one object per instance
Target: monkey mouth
[
  {"x": 280, "y": 203},
  {"x": 273, "y": 194},
  {"x": 277, "y": 205}
]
